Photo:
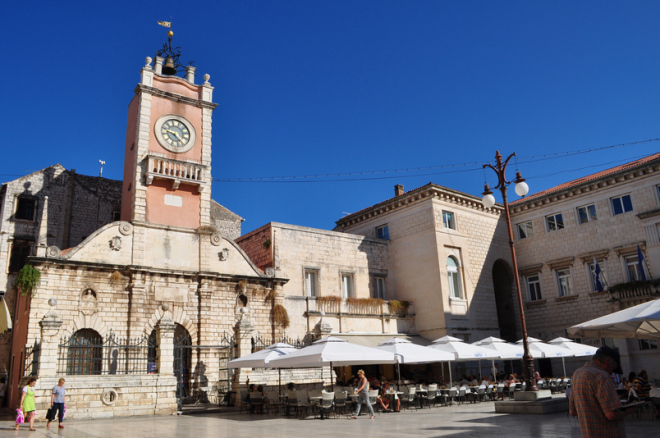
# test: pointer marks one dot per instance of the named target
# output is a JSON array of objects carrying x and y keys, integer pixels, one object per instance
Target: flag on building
[
  {"x": 165, "y": 23},
  {"x": 640, "y": 260},
  {"x": 598, "y": 277}
]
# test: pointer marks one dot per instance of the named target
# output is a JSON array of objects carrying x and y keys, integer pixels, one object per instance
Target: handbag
[
  {"x": 50, "y": 414},
  {"x": 19, "y": 416}
]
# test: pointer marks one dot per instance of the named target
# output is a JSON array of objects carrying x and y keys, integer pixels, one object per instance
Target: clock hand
[{"x": 176, "y": 134}]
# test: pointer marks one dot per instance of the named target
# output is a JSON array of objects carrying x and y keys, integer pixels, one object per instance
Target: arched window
[
  {"x": 454, "y": 278},
  {"x": 84, "y": 353}
]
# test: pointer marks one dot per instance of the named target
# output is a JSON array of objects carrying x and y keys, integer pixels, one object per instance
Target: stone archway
[{"x": 504, "y": 300}]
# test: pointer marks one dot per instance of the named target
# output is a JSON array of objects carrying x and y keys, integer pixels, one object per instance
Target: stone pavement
[{"x": 467, "y": 420}]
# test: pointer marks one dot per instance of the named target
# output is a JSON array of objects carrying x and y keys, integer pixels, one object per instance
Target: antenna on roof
[{"x": 101, "y": 162}]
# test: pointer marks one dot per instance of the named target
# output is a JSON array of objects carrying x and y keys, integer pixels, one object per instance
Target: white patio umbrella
[
  {"x": 540, "y": 349},
  {"x": 577, "y": 349},
  {"x": 641, "y": 321},
  {"x": 506, "y": 350},
  {"x": 334, "y": 352},
  {"x": 406, "y": 352},
  {"x": 262, "y": 358},
  {"x": 462, "y": 351}
]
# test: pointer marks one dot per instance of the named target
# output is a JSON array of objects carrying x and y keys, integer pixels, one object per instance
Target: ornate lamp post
[{"x": 488, "y": 201}]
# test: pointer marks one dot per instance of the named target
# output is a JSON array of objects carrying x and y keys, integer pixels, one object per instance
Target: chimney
[{"x": 398, "y": 190}]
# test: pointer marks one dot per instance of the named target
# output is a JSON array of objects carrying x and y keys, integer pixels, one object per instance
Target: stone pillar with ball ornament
[
  {"x": 50, "y": 329},
  {"x": 165, "y": 335}
]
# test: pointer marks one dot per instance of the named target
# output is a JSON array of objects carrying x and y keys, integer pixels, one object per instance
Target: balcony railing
[
  {"x": 636, "y": 290},
  {"x": 176, "y": 171}
]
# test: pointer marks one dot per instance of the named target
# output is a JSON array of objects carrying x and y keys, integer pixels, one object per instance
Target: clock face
[{"x": 175, "y": 133}]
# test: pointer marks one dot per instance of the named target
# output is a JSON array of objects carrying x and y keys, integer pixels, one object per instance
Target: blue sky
[{"x": 358, "y": 89}]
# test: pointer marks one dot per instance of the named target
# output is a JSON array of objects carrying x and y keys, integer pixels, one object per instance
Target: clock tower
[{"x": 167, "y": 161}]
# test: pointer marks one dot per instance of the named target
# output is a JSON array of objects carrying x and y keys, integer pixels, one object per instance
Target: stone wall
[{"x": 90, "y": 397}]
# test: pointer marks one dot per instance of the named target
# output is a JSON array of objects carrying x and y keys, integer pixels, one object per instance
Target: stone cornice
[
  {"x": 430, "y": 191},
  {"x": 174, "y": 97},
  {"x": 605, "y": 181},
  {"x": 650, "y": 213},
  {"x": 588, "y": 257}
]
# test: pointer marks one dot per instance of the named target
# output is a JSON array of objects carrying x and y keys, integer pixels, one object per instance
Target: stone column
[
  {"x": 242, "y": 331},
  {"x": 50, "y": 328},
  {"x": 165, "y": 336}
]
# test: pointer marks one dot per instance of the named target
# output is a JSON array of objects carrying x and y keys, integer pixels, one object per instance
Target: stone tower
[{"x": 167, "y": 163}]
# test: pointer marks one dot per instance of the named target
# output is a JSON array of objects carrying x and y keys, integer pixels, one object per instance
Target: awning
[
  {"x": 373, "y": 339},
  {"x": 5, "y": 318}
]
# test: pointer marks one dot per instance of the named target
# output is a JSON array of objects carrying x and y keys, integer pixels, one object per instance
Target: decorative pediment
[{"x": 561, "y": 263}]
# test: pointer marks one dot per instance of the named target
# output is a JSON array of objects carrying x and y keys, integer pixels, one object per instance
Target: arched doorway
[
  {"x": 504, "y": 300},
  {"x": 182, "y": 360}
]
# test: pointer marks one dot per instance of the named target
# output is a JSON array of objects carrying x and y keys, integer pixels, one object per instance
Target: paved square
[{"x": 467, "y": 420}]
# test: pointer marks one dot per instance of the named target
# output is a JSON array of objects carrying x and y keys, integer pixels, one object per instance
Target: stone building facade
[
  {"x": 73, "y": 206},
  {"x": 342, "y": 275},
  {"x": 560, "y": 232},
  {"x": 445, "y": 251},
  {"x": 140, "y": 312}
]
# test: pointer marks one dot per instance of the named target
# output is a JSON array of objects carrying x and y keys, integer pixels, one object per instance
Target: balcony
[
  {"x": 635, "y": 291},
  {"x": 176, "y": 171}
]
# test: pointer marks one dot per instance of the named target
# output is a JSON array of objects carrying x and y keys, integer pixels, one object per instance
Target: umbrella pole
[
  {"x": 451, "y": 381},
  {"x": 398, "y": 370},
  {"x": 279, "y": 375},
  {"x": 563, "y": 363},
  {"x": 480, "y": 368},
  {"x": 493, "y": 370},
  {"x": 332, "y": 385}
]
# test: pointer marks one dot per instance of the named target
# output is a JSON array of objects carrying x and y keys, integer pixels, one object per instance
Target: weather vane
[{"x": 171, "y": 55}]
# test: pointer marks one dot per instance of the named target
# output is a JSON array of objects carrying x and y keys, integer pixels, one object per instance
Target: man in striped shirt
[{"x": 594, "y": 399}]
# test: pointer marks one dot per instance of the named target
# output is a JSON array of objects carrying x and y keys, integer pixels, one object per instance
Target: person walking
[
  {"x": 594, "y": 399},
  {"x": 57, "y": 403},
  {"x": 27, "y": 402},
  {"x": 363, "y": 395}
]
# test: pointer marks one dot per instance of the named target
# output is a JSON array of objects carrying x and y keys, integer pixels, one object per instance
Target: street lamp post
[{"x": 488, "y": 201}]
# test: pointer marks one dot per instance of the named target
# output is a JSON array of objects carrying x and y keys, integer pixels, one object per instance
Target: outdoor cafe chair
[
  {"x": 408, "y": 399},
  {"x": 243, "y": 405},
  {"x": 327, "y": 402},
  {"x": 512, "y": 389},
  {"x": 499, "y": 394},
  {"x": 291, "y": 401},
  {"x": 489, "y": 393},
  {"x": 303, "y": 402},
  {"x": 256, "y": 402},
  {"x": 429, "y": 397},
  {"x": 340, "y": 401},
  {"x": 373, "y": 399},
  {"x": 453, "y": 394},
  {"x": 460, "y": 397}
]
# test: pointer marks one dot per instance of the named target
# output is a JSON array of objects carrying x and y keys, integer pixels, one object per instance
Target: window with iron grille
[
  {"x": 26, "y": 208},
  {"x": 20, "y": 251},
  {"x": 84, "y": 355}
]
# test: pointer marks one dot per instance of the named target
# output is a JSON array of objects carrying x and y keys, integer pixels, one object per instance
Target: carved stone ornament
[
  {"x": 216, "y": 239},
  {"x": 125, "y": 228},
  {"x": 53, "y": 251},
  {"x": 115, "y": 243},
  {"x": 88, "y": 303},
  {"x": 224, "y": 254}
]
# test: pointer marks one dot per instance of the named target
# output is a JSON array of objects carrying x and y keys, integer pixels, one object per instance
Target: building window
[
  {"x": 592, "y": 275},
  {"x": 347, "y": 286},
  {"x": 525, "y": 230},
  {"x": 20, "y": 251},
  {"x": 564, "y": 282},
  {"x": 26, "y": 208},
  {"x": 116, "y": 215},
  {"x": 555, "y": 222},
  {"x": 633, "y": 268},
  {"x": 311, "y": 282},
  {"x": 534, "y": 287},
  {"x": 454, "y": 277},
  {"x": 383, "y": 232},
  {"x": 648, "y": 344},
  {"x": 448, "y": 220},
  {"x": 657, "y": 191},
  {"x": 586, "y": 213},
  {"x": 621, "y": 204},
  {"x": 84, "y": 356},
  {"x": 379, "y": 287}
]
